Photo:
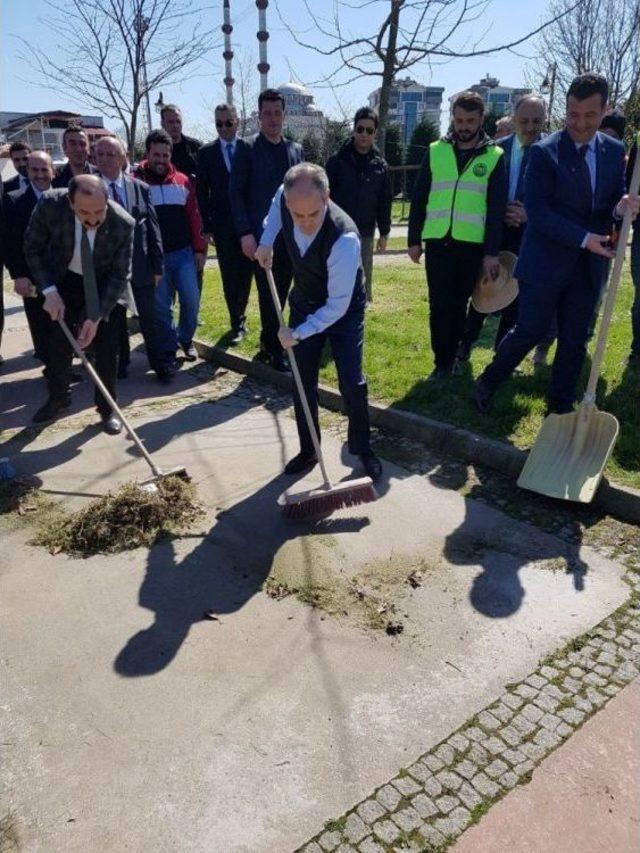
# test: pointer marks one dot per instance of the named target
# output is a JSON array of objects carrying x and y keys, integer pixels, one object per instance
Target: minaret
[
  {"x": 263, "y": 35},
  {"x": 227, "y": 29}
]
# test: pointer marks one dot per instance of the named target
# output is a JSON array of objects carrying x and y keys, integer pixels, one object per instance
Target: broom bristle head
[{"x": 318, "y": 503}]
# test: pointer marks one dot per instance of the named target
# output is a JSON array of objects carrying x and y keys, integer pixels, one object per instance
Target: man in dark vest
[{"x": 327, "y": 301}]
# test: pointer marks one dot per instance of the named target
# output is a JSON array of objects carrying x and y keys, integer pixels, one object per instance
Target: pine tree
[
  {"x": 423, "y": 135},
  {"x": 393, "y": 155},
  {"x": 312, "y": 148}
]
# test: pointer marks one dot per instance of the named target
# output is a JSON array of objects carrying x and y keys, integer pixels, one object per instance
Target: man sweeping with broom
[{"x": 327, "y": 303}]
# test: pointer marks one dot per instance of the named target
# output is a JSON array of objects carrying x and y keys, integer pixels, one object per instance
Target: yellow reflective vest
[{"x": 458, "y": 202}]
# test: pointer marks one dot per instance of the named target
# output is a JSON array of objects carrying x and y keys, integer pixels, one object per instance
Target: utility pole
[
  {"x": 263, "y": 35},
  {"x": 227, "y": 29}
]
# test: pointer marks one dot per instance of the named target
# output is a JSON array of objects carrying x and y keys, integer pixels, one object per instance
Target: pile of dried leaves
[{"x": 123, "y": 519}]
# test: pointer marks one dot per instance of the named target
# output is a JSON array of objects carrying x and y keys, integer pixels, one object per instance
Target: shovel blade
[{"x": 569, "y": 455}]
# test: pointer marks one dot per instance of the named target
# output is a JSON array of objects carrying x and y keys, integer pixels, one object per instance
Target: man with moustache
[
  {"x": 19, "y": 206},
  {"x": 457, "y": 210},
  {"x": 19, "y": 153},
  {"x": 174, "y": 200},
  {"x": 78, "y": 247},
  {"x": 75, "y": 144},
  {"x": 574, "y": 189},
  {"x": 258, "y": 170},
  {"x": 215, "y": 161},
  {"x": 148, "y": 260},
  {"x": 529, "y": 120}
]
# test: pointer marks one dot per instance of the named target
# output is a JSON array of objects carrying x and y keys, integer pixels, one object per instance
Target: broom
[
  {"x": 328, "y": 497},
  {"x": 149, "y": 484}
]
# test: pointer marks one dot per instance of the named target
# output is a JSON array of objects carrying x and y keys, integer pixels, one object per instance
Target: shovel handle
[
  {"x": 614, "y": 281},
  {"x": 101, "y": 386},
  {"x": 298, "y": 380}
]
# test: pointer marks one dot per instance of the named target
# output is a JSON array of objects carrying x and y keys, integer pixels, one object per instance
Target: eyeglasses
[
  {"x": 226, "y": 123},
  {"x": 368, "y": 130}
]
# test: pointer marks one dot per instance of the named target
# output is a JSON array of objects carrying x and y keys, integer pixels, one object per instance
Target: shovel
[{"x": 571, "y": 451}]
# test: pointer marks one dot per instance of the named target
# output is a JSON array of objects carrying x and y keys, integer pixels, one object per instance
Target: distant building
[
  {"x": 409, "y": 103},
  {"x": 498, "y": 99},
  {"x": 44, "y": 130},
  {"x": 302, "y": 117}
]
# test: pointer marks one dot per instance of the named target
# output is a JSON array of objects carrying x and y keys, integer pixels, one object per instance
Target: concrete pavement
[{"x": 128, "y": 722}]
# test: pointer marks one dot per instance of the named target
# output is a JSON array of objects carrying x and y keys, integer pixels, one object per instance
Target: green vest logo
[{"x": 480, "y": 170}]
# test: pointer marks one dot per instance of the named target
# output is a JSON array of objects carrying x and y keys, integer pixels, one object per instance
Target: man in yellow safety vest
[{"x": 457, "y": 210}]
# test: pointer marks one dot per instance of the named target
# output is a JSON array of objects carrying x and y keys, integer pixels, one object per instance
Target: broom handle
[
  {"x": 614, "y": 281},
  {"x": 298, "y": 381},
  {"x": 100, "y": 384}
]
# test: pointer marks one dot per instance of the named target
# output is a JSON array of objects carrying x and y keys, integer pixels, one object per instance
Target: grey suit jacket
[{"x": 50, "y": 239}]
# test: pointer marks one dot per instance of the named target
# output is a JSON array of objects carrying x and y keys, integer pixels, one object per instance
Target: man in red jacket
[{"x": 174, "y": 200}]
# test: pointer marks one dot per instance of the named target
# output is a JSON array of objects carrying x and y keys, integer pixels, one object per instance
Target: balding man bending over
[
  {"x": 78, "y": 247},
  {"x": 327, "y": 302}
]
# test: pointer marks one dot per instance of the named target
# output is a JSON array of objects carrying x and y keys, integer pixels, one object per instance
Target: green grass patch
[{"x": 398, "y": 359}]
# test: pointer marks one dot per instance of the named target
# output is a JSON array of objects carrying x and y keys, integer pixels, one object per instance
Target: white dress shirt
[
  {"x": 122, "y": 190},
  {"x": 75, "y": 265},
  {"x": 36, "y": 191},
  {"x": 342, "y": 268}
]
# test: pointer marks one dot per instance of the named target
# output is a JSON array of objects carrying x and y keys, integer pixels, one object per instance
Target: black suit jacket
[
  {"x": 12, "y": 185},
  {"x": 255, "y": 178},
  {"x": 63, "y": 175},
  {"x": 18, "y": 209},
  {"x": 212, "y": 189},
  {"x": 50, "y": 240},
  {"x": 148, "y": 256}
]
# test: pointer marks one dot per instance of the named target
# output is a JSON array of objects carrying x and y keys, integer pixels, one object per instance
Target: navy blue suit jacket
[
  {"x": 212, "y": 190},
  {"x": 561, "y": 209},
  {"x": 254, "y": 180}
]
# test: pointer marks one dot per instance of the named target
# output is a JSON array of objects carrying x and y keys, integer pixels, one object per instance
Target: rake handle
[
  {"x": 298, "y": 380},
  {"x": 614, "y": 281},
  {"x": 101, "y": 386}
]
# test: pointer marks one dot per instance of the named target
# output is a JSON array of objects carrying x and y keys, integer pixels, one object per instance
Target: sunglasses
[
  {"x": 368, "y": 130},
  {"x": 227, "y": 123}
]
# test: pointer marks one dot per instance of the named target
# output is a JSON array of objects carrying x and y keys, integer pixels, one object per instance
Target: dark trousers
[
  {"x": 58, "y": 369},
  {"x": 346, "y": 338},
  {"x": 236, "y": 271},
  {"x": 282, "y": 274},
  {"x": 452, "y": 271},
  {"x": 118, "y": 320},
  {"x": 40, "y": 326},
  {"x": 573, "y": 300},
  {"x": 635, "y": 276},
  {"x": 145, "y": 299},
  {"x": 1, "y": 303},
  {"x": 475, "y": 322}
]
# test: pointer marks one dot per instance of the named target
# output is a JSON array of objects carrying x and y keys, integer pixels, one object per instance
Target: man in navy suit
[
  {"x": 148, "y": 259},
  {"x": 574, "y": 188},
  {"x": 19, "y": 206},
  {"x": 212, "y": 188},
  {"x": 529, "y": 120},
  {"x": 19, "y": 152},
  {"x": 258, "y": 170}
]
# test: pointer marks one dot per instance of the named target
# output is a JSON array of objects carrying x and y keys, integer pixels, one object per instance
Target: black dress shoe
[
  {"x": 464, "y": 351},
  {"x": 165, "y": 375},
  {"x": 51, "y": 410},
  {"x": 372, "y": 466},
  {"x": 190, "y": 352},
  {"x": 482, "y": 395},
  {"x": 301, "y": 462},
  {"x": 111, "y": 424},
  {"x": 280, "y": 363},
  {"x": 439, "y": 374},
  {"x": 238, "y": 333}
]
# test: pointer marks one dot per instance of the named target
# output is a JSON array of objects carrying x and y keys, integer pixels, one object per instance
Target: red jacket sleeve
[{"x": 195, "y": 223}]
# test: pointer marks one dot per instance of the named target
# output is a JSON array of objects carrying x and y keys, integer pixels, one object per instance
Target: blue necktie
[
  {"x": 523, "y": 167},
  {"x": 115, "y": 192},
  {"x": 230, "y": 153}
]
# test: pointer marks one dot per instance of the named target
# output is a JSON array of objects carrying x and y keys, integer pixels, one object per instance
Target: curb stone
[{"x": 619, "y": 501}]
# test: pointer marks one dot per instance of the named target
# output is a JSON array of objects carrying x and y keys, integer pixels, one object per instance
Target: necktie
[
  {"x": 230, "y": 153},
  {"x": 89, "y": 283},
  {"x": 521, "y": 173},
  {"x": 586, "y": 174},
  {"x": 115, "y": 192}
]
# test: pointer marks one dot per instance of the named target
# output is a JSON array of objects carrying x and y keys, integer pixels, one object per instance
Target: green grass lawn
[
  {"x": 398, "y": 358},
  {"x": 400, "y": 210}
]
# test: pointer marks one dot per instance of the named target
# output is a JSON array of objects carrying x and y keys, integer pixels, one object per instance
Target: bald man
[
  {"x": 327, "y": 302},
  {"x": 19, "y": 206},
  {"x": 78, "y": 247}
]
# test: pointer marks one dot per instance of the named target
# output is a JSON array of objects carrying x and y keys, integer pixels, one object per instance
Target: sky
[{"x": 202, "y": 87}]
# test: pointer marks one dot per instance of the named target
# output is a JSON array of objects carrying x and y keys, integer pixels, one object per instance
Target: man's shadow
[
  {"x": 497, "y": 591},
  {"x": 223, "y": 572}
]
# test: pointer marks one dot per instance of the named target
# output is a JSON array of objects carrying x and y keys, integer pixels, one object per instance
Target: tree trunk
[{"x": 388, "y": 71}]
